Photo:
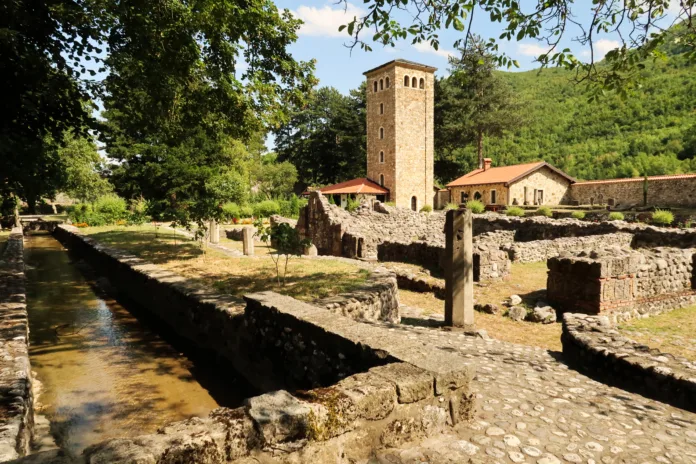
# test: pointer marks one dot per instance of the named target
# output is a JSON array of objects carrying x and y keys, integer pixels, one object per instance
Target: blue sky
[{"x": 338, "y": 67}]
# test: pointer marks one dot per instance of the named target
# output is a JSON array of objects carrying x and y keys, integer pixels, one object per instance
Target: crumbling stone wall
[
  {"x": 677, "y": 190},
  {"x": 592, "y": 345},
  {"x": 16, "y": 399},
  {"x": 537, "y": 251},
  {"x": 622, "y": 283}
]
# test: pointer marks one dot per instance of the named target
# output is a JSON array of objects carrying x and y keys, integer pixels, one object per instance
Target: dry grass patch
[
  {"x": 4, "y": 235},
  {"x": 671, "y": 332},
  {"x": 528, "y": 280},
  {"x": 308, "y": 279}
]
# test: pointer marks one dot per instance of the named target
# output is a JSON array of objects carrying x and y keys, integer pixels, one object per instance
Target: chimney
[{"x": 486, "y": 164}]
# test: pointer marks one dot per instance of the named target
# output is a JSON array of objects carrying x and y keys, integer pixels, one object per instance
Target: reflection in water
[{"x": 104, "y": 374}]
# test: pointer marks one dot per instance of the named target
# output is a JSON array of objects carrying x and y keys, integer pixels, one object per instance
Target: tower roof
[{"x": 403, "y": 64}]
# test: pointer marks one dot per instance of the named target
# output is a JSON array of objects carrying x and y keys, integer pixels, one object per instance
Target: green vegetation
[
  {"x": 544, "y": 211},
  {"x": 426, "y": 209},
  {"x": 288, "y": 243},
  {"x": 578, "y": 215},
  {"x": 352, "y": 204},
  {"x": 451, "y": 205},
  {"x": 616, "y": 216},
  {"x": 671, "y": 332},
  {"x": 475, "y": 206},
  {"x": 108, "y": 210},
  {"x": 514, "y": 211},
  {"x": 662, "y": 217}
]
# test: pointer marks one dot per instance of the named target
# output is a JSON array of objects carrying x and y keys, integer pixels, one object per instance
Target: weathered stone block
[
  {"x": 279, "y": 416},
  {"x": 412, "y": 383},
  {"x": 374, "y": 396}
]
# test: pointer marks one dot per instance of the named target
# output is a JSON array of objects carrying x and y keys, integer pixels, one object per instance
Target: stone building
[
  {"x": 669, "y": 190},
  {"x": 521, "y": 184},
  {"x": 400, "y": 133}
]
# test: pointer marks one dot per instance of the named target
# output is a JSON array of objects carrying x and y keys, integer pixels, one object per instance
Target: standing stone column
[
  {"x": 248, "y": 239},
  {"x": 214, "y": 231},
  {"x": 459, "y": 268}
]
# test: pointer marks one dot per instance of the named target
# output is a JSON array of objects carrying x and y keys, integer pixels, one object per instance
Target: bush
[
  {"x": 475, "y": 206},
  {"x": 578, "y": 215},
  {"x": 285, "y": 208},
  {"x": 544, "y": 211},
  {"x": 451, "y": 206},
  {"x": 662, "y": 217},
  {"x": 514, "y": 211},
  {"x": 616, "y": 216},
  {"x": 111, "y": 207},
  {"x": 231, "y": 211},
  {"x": 246, "y": 211},
  {"x": 266, "y": 208},
  {"x": 426, "y": 209}
]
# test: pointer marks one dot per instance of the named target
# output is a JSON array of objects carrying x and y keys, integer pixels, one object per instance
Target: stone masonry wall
[
  {"x": 501, "y": 193},
  {"x": 621, "y": 283},
  {"x": 556, "y": 188},
  {"x": 592, "y": 345},
  {"x": 662, "y": 191},
  {"x": 537, "y": 251},
  {"x": 16, "y": 399}
]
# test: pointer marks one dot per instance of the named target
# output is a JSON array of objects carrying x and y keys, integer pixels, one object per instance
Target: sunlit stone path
[{"x": 532, "y": 408}]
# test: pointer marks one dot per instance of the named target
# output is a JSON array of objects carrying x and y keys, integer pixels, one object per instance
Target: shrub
[
  {"x": 426, "y": 209},
  {"x": 451, "y": 206},
  {"x": 352, "y": 204},
  {"x": 246, "y": 211},
  {"x": 285, "y": 208},
  {"x": 390, "y": 203},
  {"x": 662, "y": 217},
  {"x": 578, "y": 215},
  {"x": 111, "y": 207},
  {"x": 514, "y": 211},
  {"x": 266, "y": 208},
  {"x": 475, "y": 206},
  {"x": 616, "y": 216},
  {"x": 544, "y": 211},
  {"x": 231, "y": 211}
]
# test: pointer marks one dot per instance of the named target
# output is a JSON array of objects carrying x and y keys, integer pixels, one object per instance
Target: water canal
[{"x": 102, "y": 371}]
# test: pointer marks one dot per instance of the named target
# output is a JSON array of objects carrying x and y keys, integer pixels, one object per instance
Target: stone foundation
[
  {"x": 16, "y": 399},
  {"x": 621, "y": 282},
  {"x": 592, "y": 345},
  {"x": 537, "y": 251}
]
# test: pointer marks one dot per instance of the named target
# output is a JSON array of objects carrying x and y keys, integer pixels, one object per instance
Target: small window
[
  {"x": 414, "y": 203},
  {"x": 465, "y": 197},
  {"x": 381, "y": 108},
  {"x": 375, "y": 86},
  {"x": 381, "y": 180},
  {"x": 494, "y": 196},
  {"x": 406, "y": 81},
  {"x": 477, "y": 196},
  {"x": 381, "y": 84},
  {"x": 414, "y": 82},
  {"x": 387, "y": 82},
  {"x": 421, "y": 83},
  {"x": 381, "y": 132},
  {"x": 381, "y": 157}
]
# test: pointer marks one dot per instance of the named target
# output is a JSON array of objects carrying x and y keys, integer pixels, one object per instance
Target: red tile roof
[
  {"x": 503, "y": 174},
  {"x": 361, "y": 185},
  {"x": 637, "y": 179}
]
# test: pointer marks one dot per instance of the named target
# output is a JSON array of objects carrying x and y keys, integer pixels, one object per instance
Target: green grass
[
  {"x": 308, "y": 279},
  {"x": 671, "y": 332}
]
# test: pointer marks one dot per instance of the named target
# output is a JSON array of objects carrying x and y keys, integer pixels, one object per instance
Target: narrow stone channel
[{"x": 102, "y": 372}]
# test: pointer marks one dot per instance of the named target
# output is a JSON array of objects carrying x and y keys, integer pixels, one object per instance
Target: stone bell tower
[{"x": 400, "y": 105}]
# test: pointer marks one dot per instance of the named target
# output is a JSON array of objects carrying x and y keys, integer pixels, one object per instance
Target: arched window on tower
[
  {"x": 381, "y": 108},
  {"x": 387, "y": 82},
  {"x": 421, "y": 83},
  {"x": 381, "y": 180},
  {"x": 406, "y": 81},
  {"x": 375, "y": 86},
  {"x": 381, "y": 132},
  {"x": 414, "y": 82},
  {"x": 381, "y": 157},
  {"x": 381, "y": 84},
  {"x": 414, "y": 202}
]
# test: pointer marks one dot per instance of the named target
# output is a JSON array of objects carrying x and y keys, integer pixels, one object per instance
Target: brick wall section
[
  {"x": 408, "y": 143},
  {"x": 621, "y": 283},
  {"x": 16, "y": 398},
  {"x": 593, "y": 346},
  {"x": 676, "y": 191}
]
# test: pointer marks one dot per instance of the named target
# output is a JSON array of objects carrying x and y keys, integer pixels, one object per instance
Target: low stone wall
[
  {"x": 540, "y": 250},
  {"x": 662, "y": 191},
  {"x": 410, "y": 391},
  {"x": 16, "y": 399},
  {"x": 36, "y": 225},
  {"x": 236, "y": 233},
  {"x": 622, "y": 283},
  {"x": 592, "y": 345}
]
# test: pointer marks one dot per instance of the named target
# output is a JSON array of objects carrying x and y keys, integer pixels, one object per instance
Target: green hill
[{"x": 651, "y": 132}]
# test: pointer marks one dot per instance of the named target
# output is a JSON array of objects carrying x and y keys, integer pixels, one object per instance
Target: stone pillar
[
  {"x": 248, "y": 239},
  {"x": 459, "y": 270},
  {"x": 214, "y": 231}
]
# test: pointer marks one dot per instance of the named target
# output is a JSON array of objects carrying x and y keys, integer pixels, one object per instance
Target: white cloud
[
  {"x": 325, "y": 21},
  {"x": 602, "y": 46},
  {"x": 675, "y": 8},
  {"x": 530, "y": 49},
  {"x": 425, "y": 47}
]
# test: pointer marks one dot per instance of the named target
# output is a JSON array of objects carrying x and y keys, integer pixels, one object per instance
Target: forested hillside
[{"x": 651, "y": 132}]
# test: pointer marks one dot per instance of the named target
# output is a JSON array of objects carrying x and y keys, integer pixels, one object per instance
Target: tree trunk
[{"x": 480, "y": 148}]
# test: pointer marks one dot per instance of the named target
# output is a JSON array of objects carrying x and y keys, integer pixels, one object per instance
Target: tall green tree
[
  {"x": 325, "y": 140},
  {"x": 190, "y": 84},
  {"x": 474, "y": 103},
  {"x": 84, "y": 169}
]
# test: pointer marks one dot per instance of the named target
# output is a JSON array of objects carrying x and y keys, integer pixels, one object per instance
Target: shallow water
[{"x": 103, "y": 372}]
